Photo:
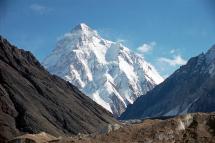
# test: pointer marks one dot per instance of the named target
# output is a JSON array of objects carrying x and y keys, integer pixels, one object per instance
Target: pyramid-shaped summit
[
  {"x": 82, "y": 26},
  {"x": 106, "y": 71},
  {"x": 83, "y": 29}
]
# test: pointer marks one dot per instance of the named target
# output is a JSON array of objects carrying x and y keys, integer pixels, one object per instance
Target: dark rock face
[
  {"x": 32, "y": 100},
  {"x": 190, "y": 89}
]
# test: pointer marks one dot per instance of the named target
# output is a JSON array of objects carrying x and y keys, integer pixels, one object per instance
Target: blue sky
[{"x": 166, "y": 32}]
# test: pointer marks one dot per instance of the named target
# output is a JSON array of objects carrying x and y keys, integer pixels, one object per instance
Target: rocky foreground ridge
[{"x": 190, "y": 128}]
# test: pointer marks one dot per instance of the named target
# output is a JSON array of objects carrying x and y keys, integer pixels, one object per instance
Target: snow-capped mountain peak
[
  {"x": 82, "y": 26},
  {"x": 106, "y": 71},
  {"x": 83, "y": 30}
]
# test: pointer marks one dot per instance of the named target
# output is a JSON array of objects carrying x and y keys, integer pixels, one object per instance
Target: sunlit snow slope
[{"x": 106, "y": 71}]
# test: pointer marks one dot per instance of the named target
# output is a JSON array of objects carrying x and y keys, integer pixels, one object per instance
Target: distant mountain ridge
[
  {"x": 189, "y": 89},
  {"x": 106, "y": 71},
  {"x": 32, "y": 100}
]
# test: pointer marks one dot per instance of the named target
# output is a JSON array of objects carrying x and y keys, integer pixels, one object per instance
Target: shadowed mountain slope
[
  {"x": 32, "y": 100},
  {"x": 190, "y": 89}
]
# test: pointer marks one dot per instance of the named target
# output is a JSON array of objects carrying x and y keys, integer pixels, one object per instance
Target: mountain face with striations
[
  {"x": 190, "y": 89},
  {"x": 108, "y": 72},
  {"x": 32, "y": 100}
]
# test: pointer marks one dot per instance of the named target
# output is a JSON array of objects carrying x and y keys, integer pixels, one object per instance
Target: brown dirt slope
[{"x": 190, "y": 128}]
